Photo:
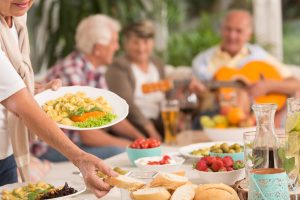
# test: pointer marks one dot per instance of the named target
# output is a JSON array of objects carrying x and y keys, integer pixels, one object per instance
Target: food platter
[
  {"x": 118, "y": 105},
  {"x": 79, "y": 186}
]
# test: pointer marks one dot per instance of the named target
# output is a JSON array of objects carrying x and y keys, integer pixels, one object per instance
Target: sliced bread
[
  {"x": 125, "y": 182},
  {"x": 156, "y": 193},
  {"x": 169, "y": 181}
]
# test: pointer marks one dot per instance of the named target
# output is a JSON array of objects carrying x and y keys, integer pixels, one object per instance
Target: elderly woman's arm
[{"x": 22, "y": 104}]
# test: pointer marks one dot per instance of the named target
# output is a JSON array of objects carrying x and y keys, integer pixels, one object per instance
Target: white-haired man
[
  {"x": 96, "y": 43},
  {"x": 235, "y": 51}
]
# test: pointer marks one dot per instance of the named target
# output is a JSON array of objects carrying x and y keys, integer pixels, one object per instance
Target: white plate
[
  {"x": 186, "y": 150},
  {"x": 230, "y": 134},
  {"x": 79, "y": 186},
  {"x": 172, "y": 167},
  {"x": 119, "y": 105}
]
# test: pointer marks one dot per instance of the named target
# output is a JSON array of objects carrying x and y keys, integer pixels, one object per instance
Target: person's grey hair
[{"x": 95, "y": 29}]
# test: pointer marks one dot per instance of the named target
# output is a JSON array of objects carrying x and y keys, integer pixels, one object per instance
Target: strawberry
[
  {"x": 209, "y": 159},
  {"x": 216, "y": 165},
  {"x": 229, "y": 169},
  {"x": 222, "y": 169},
  {"x": 219, "y": 158},
  {"x": 201, "y": 165},
  {"x": 227, "y": 161}
]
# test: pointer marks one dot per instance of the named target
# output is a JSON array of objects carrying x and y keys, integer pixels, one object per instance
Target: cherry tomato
[{"x": 142, "y": 143}]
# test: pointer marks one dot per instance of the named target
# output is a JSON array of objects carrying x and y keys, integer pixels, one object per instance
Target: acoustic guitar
[{"x": 252, "y": 73}]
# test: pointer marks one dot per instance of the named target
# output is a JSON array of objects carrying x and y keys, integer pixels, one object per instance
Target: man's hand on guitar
[{"x": 260, "y": 88}]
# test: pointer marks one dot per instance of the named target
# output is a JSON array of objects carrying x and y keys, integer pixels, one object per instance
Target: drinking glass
[
  {"x": 170, "y": 115},
  {"x": 288, "y": 153},
  {"x": 188, "y": 104},
  {"x": 249, "y": 158}
]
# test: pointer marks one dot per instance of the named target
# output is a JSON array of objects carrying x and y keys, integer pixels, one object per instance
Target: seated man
[
  {"x": 235, "y": 51},
  {"x": 96, "y": 42}
]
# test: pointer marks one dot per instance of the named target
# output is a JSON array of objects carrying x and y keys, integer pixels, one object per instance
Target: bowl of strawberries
[
  {"x": 214, "y": 169},
  {"x": 141, "y": 148}
]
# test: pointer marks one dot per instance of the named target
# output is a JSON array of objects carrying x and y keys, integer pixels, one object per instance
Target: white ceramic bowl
[
  {"x": 141, "y": 163},
  {"x": 227, "y": 134},
  {"x": 229, "y": 178}
]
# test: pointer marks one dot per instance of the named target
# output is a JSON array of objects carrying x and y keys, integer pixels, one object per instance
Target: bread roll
[
  {"x": 169, "y": 181},
  {"x": 215, "y": 192},
  {"x": 157, "y": 193},
  {"x": 124, "y": 182},
  {"x": 184, "y": 192}
]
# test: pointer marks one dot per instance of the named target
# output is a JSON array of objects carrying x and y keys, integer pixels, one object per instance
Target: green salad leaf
[{"x": 96, "y": 121}]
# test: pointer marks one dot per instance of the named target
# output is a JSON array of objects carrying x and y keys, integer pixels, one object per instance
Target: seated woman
[
  {"x": 96, "y": 42},
  {"x": 137, "y": 67}
]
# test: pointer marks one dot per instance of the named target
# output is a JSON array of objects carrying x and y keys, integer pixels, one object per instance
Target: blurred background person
[
  {"x": 131, "y": 71},
  {"x": 235, "y": 51},
  {"x": 96, "y": 43}
]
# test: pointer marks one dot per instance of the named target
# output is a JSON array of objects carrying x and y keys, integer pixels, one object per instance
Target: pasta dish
[{"x": 79, "y": 110}]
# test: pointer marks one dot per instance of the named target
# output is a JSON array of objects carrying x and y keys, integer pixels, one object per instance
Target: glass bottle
[
  {"x": 292, "y": 125},
  {"x": 265, "y": 144}
]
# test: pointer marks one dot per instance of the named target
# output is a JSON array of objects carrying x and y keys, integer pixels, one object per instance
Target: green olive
[
  {"x": 219, "y": 150},
  {"x": 235, "y": 146},
  {"x": 238, "y": 149},
  {"x": 225, "y": 147},
  {"x": 231, "y": 151}
]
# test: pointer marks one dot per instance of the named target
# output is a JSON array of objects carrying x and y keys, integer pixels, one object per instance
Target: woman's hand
[
  {"x": 88, "y": 166},
  {"x": 53, "y": 84}
]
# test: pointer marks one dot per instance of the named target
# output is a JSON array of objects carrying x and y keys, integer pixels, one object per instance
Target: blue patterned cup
[{"x": 268, "y": 184}]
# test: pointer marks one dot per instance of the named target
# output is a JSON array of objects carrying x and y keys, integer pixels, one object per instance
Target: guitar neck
[{"x": 215, "y": 85}]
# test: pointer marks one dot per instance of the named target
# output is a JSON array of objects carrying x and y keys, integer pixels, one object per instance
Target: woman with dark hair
[{"x": 134, "y": 69}]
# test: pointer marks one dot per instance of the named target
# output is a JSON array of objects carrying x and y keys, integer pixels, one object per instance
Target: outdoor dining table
[{"x": 67, "y": 171}]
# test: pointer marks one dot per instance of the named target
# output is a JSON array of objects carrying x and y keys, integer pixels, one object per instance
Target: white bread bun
[
  {"x": 124, "y": 182},
  {"x": 169, "y": 181},
  {"x": 184, "y": 192},
  {"x": 215, "y": 191},
  {"x": 156, "y": 193}
]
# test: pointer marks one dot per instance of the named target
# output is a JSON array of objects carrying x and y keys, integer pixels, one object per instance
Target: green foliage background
[
  {"x": 59, "y": 19},
  {"x": 192, "y": 25}
]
